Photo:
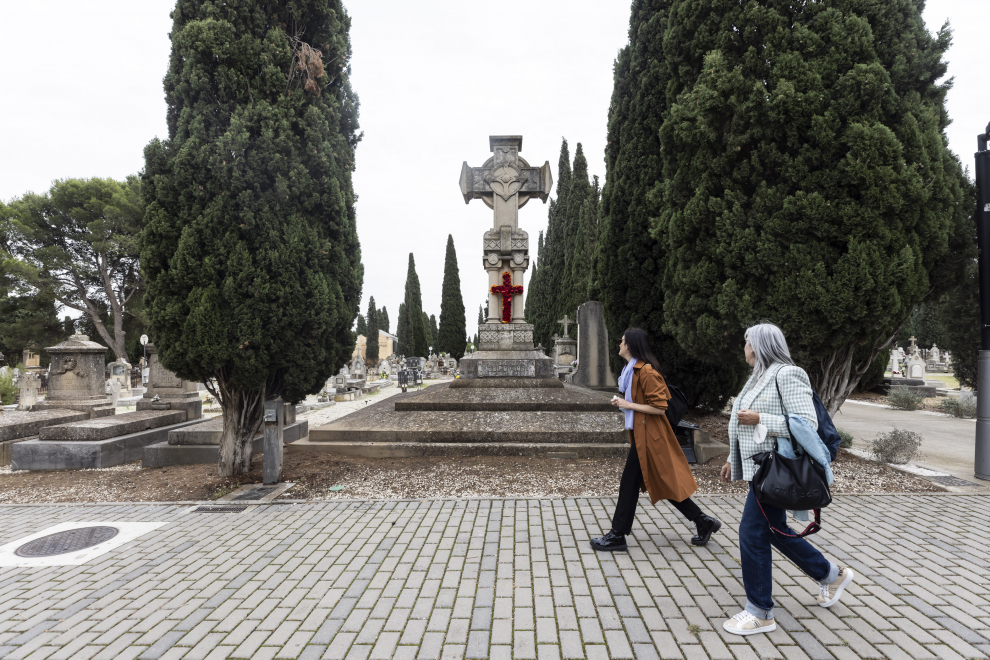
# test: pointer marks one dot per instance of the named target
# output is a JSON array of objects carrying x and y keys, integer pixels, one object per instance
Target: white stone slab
[{"x": 128, "y": 531}]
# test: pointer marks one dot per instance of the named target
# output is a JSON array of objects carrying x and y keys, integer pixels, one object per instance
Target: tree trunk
[{"x": 242, "y": 419}]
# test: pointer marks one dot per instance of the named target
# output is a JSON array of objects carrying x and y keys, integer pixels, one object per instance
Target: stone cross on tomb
[
  {"x": 566, "y": 322},
  {"x": 505, "y": 183},
  {"x": 914, "y": 348}
]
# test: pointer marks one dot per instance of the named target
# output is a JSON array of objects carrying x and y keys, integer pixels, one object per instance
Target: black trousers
[{"x": 625, "y": 508}]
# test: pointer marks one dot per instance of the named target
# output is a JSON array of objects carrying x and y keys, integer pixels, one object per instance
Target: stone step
[
  {"x": 167, "y": 453},
  {"x": 563, "y": 399},
  {"x": 104, "y": 428},
  {"x": 464, "y": 449},
  {"x": 473, "y": 426}
]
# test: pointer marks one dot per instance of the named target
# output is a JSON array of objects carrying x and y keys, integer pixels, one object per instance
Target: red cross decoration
[{"x": 507, "y": 291}]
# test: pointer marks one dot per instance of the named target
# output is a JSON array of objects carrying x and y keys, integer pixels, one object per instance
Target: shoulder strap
[{"x": 787, "y": 421}]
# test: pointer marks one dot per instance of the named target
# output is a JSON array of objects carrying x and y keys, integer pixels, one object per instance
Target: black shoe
[
  {"x": 610, "y": 542},
  {"x": 706, "y": 527}
]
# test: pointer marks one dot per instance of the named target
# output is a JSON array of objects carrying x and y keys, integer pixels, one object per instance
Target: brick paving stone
[{"x": 449, "y": 578}]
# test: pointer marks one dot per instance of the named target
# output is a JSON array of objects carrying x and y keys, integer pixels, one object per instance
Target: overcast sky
[{"x": 82, "y": 96}]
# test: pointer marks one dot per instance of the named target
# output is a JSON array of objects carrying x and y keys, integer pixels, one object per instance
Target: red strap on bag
[{"x": 812, "y": 528}]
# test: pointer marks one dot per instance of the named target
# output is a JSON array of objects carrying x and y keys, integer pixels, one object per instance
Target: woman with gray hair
[{"x": 776, "y": 389}]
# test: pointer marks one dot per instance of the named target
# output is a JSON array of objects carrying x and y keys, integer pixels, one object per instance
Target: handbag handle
[{"x": 787, "y": 422}]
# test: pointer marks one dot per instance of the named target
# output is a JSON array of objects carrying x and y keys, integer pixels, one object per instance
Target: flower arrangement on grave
[{"x": 506, "y": 290}]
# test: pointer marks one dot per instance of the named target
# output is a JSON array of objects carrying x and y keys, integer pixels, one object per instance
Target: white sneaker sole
[
  {"x": 842, "y": 586},
  {"x": 750, "y": 631}
]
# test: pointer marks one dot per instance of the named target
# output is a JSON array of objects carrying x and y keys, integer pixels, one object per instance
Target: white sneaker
[
  {"x": 829, "y": 594},
  {"x": 745, "y": 623}
]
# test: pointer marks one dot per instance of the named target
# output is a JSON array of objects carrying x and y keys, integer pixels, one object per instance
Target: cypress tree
[
  {"x": 584, "y": 248},
  {"x": 429, "y": 338},
  {"x": 362, "y": 326},
  {"x": 371, "y": 349},
  {"x": 574, "y": 282},
  {"x": 415, "y": 342},
  {"x": 628, "y": 276},
  {"x": 383, "y": 322},
  {"x": 961, "y": 321},
  {"x": 551, "y": 275},
  {"x": 434, "y": 332},
  {"x": 251, "y": 250},
  {"x": 402, "y": 331},
  {"x": 807, "y": 179},
  {"x": 452, "y": 333}
]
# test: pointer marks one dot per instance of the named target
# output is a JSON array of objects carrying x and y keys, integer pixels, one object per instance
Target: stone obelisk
[{"x": 506, "y": 356}]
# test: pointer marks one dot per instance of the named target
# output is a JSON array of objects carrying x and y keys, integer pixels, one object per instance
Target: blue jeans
[{"x": 755, "y": 541}]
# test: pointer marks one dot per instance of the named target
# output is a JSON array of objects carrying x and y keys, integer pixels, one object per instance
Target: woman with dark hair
[{"x": 656, "y": 462}]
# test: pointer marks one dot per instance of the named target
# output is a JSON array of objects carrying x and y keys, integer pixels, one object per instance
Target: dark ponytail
[{"x": 639, "y": 347}]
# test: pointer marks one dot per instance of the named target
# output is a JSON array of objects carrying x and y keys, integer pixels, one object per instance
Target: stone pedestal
[
  {"x": 172, "y": 392},
  {"x": 505, "y": 351},
  {"x": 75, "y": 380},
  {"x": 27, "y": 385}
]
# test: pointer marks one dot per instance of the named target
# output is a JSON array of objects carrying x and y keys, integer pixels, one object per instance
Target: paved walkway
[{"x": 491, "y": 578}]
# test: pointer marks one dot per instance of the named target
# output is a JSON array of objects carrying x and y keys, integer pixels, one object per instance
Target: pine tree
[
  {"x": 452, "y": 331},
  {"x": 383, "y": 322},
  {"x": 415, "y": 341},
  {"x": 628, "y": 275},
  {"x": 402, "y": 331},
  {"x": 362, "y": 326},
  {"x": 251, "y": 250},
  {"x": 371, "y": 348},
  {"x": 806, "y": 179}
]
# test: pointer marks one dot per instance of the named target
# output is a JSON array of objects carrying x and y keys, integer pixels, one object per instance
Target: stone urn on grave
[
  {"x": 506, "y": 356},
  {"x": 75, "y": 379}
]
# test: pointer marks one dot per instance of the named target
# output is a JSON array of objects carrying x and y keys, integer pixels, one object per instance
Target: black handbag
[{"x": 791, "y": 483}]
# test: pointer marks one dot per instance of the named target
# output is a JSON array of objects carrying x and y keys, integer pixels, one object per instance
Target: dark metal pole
[{"x": 982, "y": 457}]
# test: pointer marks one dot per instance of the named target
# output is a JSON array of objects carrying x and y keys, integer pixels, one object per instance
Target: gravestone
[
  {"x": 357, "y": 368},
  {"x": 113, "y": 389},
  {"x": 505, "y": 183},
  {"x": 915, "y": 367},
  {"x": 120, "y": 371},
  {"x": 75, "y": 378},
  {"x": 340, "y": 381},
  {"x": 28, "y": 384},
  {"x": 564, "y": 348},
  {"x": 593, "y": 369},
  {"x": 172, "y": 392}
]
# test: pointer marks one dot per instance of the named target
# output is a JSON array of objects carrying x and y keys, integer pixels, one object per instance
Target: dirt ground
[{"x": 383, "y": 478}]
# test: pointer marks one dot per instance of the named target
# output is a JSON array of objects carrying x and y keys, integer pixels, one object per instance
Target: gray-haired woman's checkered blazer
[{"x": 762, "y": 397}]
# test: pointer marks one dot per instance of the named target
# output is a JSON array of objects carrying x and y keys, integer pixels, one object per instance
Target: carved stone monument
[
  {"x": 564, "y": 348},
  {"x": 505, "y": 183},
  {"x": 75, "y": 378},
  {"x": 172, "y": 392},
  {"x": 593, "y": 369}
]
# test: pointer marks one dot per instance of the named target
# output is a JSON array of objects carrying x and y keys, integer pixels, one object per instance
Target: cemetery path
[
  {"x": 490, "y": 578},
  {"x": 948, "y": 444}
]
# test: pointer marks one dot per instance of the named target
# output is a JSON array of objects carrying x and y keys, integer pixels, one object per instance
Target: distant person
[
  {"x": 758, "y": 410},
  {"x": 656, "y": 461}
]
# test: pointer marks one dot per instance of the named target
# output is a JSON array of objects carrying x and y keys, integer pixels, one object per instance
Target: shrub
[
  {"x": 904, "y": 399},
  {"x": 846, "y": 438},
  {"x": 958, "y": 407},
  {"x": 875, "y": 374},
  {"x": 897, "y": 447},
  {"x": 8, "y": 389}
]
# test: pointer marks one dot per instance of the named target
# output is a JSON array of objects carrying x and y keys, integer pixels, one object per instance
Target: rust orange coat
[{"x": 666, "y": 473}]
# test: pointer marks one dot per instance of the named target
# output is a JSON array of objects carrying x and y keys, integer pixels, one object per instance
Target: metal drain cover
[
  {"x": 949, "y": 480},
  {"x": 61, "y": 543},
  {"x": 257, "y": 493},
  {"x": 219, "y": 509}
]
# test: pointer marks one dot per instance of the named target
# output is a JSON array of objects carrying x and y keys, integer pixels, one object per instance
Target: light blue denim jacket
[{"x": 807, "y": 438}]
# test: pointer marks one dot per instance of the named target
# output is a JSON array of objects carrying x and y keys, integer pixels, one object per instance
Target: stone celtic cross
[{"x": 505, "y": 183}]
